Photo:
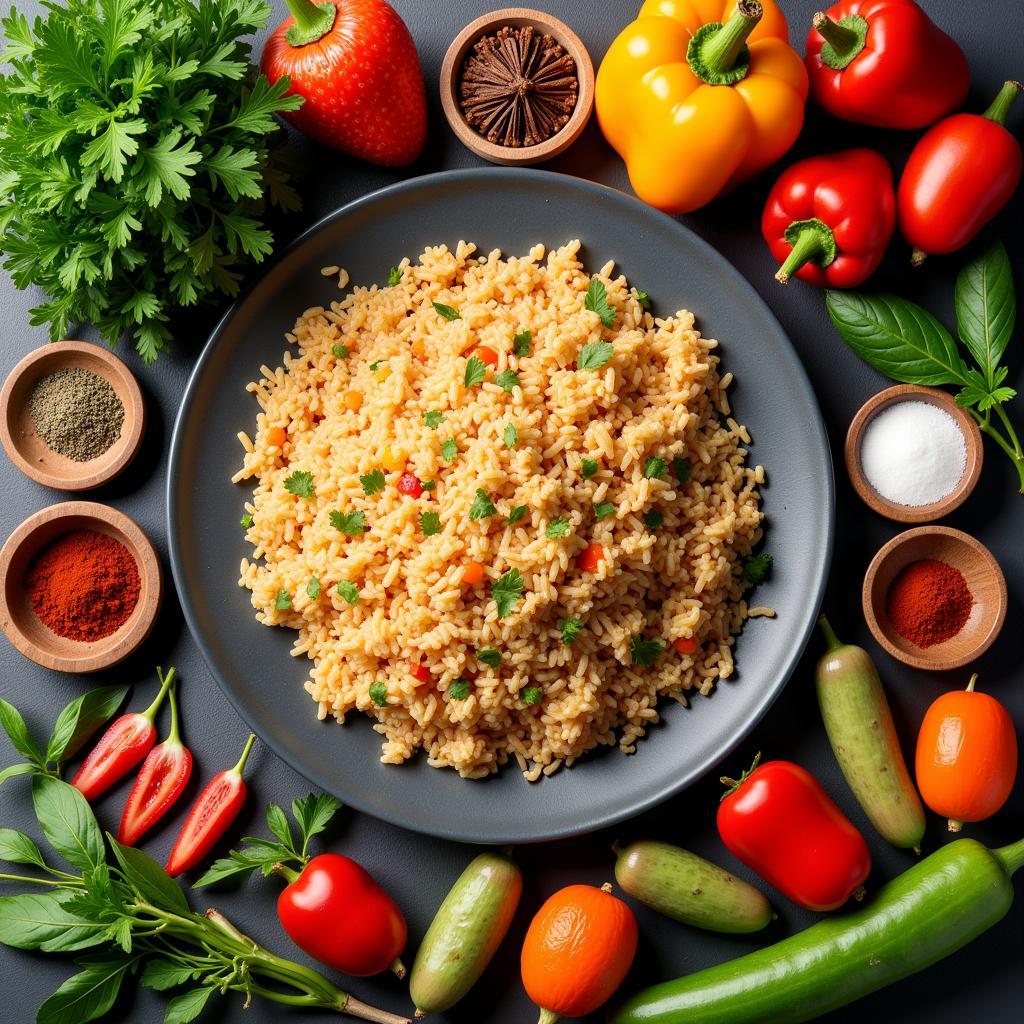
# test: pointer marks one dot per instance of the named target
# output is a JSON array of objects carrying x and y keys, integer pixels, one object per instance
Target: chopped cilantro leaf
[
  {"x": 654, "y": 518},
  {"x": 340, "y": 351},
  {"x": 459, "y": 690},
  {"x": 379, "y": 694},
  {"x": 643, "y": 298},
  {"x": 476, "y": 370},
  {"x": 645, "y": 652},
  {"x": 283, "y": 601},
  {"x": 516, "y": 514},
  {"x": 595, "y": 355},
  {"x": 352, "y": 524},
  {"x": 507, "y": 380},
  {"x": 597, "y": 302},
  {"x": 681, "y": 469},
  {"x": 348, "y": 592},
  {"x": 449, "y": 450},
  {"x": 430, "y": 524},
  {"x": 376, "y": 365},
  {"x": 756, "y": 568},
  {"x": 300, "y": 483},
  {"x": 446, "y": 311},
  {"x": 489, "y": 656},
  {"x": 570, "y": 630},
  {"x": 313, "y": 588},
  {"x": 532, "y": 695},
  {"x": 557, "y": 528},
  {"x": 373, "y": 482},
  {"x": 604, "y": 509},
  {"x": 481, "y": 507},
  {"x": 590, "y": 467},
  {"x": 429, "y": 485},
  {"x": 246, "y": 520},
  {"x": 654, "y": 467},
  {"x": 511, "y": 435},
  {"x": 394, "y": 277},
  {"x": 434, "y": 418},
  {"x": 521, "y": 343},
  {"x": 506, "y": 591}
]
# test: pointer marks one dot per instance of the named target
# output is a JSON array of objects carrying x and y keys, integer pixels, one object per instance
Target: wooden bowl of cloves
[{"x": 517, "y": 86}]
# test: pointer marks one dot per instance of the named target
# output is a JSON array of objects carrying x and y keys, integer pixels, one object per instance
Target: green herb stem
[
  {"x": 1000, "y": 106},
  {"x": 58, "y": 883},
  {"x": 1011, "y": 433},
  {"x": 986, "y": 427}
]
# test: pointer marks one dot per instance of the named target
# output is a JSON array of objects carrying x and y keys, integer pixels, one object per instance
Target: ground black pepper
[{"x": 76, "y": 413}]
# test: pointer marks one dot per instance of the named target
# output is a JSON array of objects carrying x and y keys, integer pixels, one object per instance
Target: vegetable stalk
[
  {"x": 844, "y": 39},
  {"x": 312, "y": 21},
  {"x": 717, "y": 52}
]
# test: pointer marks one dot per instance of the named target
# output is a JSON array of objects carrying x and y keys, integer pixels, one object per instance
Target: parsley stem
[
  {"x": 987, "y": 428},
  {"x": 1001, "y": 413}
]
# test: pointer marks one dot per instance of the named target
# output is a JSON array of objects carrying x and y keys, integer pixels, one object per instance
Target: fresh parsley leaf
[
  {"x": 459, "y": 690},
  {"x": 654, "y": 468},
  {"x": 597, "y": 302},
  {"x": 515, "y": 514},
  {"x": 570, "y": 630},
  {"x": 511, "y": 435},
  {"x": 246, "y": 521},
  {"x": 681, "y": 469},
  {"x": 449, "y": 449},
  {"x": 507, "y": 380},
  {"x": 433, "y": 419},
  {"x": 644, "y": 299},
  {"x": 429, "y": 485},
  {"x": 394, "y": 277},
  {"x": 283, "y": 601},
  {"x": 446, "y": 311},
  {"x": 522, "y": 343},
  {"x": 557, "y": 528},
  {"x": 376, "y": 365},
  {"x": 645, "y": 652},
  {"x": 373, "y": 482},
  {"x": 604, "y": 509},
  {"x": 482, "y": 508},
  {"x": 430, "y": 524},
  {"x": 300, "y": 483},
  {"x": 595, "y": 355},
  {"x": 654, "y": 519},
  {"x": 340, "y": 351},
  {"x": 490, "y": 656},
  {"x": 313, "y": 588},
  {"x": 476, "y": 371},
  {"x": 589, "y": 468},
  {"x": 532, "y": 695},
  {"x": 756, "y": 568},
  {"x": 348, "y": 592},
  {"x": 506, "y": 591},
  {"x": 313, "y": 813},
  {"x": 379, "y": 694},
  {"x": 352, "y": 524}
]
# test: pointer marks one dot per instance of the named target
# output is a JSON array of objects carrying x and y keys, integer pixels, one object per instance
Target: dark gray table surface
[{"x": 984, "y": 982}]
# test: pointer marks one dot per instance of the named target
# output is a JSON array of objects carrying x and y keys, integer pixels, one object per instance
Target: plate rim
[{"x": 769, "y": 696}]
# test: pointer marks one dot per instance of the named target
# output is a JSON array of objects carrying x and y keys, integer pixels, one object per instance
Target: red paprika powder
[
  {"x": 84, "y": 585},
  {"x": 929, "y": 602}
]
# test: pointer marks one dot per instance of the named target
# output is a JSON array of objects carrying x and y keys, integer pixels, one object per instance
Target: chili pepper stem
[
  {"x": 717, "y": 51},
  {"x": 833, "y": 642},
  {"x": 1000, "y": 106},
  {"x": 166, "y": 681},
  {"x": 312, "y": 21},
  {"x": 844, "y": 39},
  {"x": 174, "y": 737},
  {"x": 240, "y": 767}
]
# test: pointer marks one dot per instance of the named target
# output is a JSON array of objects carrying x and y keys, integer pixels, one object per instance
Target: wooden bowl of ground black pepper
[
  {"x": 80, "y": 587},
  {"x": 517, "y": 86},
  {"x": 71, "y": 416}
]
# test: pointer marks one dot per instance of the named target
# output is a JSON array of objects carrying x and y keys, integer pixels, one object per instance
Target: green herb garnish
[
  {"x": 522, "y": 343},
  {"x": 348, "y": 592},
  {"x": 283, "y": 601},
  {"x": 645, "y": 652},
  {"x": 379, "y": 694},
  {"x": 459, "y": 690},
  {"x": 681, "y": 469},
  {"x": 595, "y": 355},
  {"x": 376, "y": 365},
  {"x": 430, "y": 523},
  {"x": 394, "y": 277},
  {"x": 476, "y": 371},
  {"x": 373, "y": 482},
  {"x": 597, "y": 302},
  {"x": 246, "y": 521},
  {"x": 482, "y": 508},
  {"x": 511, "y": 435},
  {"x": 433, "y": 419},
  {"x": 300, "y": 483},
  {"x": 449, "y": 449},
  {"x": 604, "y": 509},
  {"x": 506, "y": 591},
  {"x": 313, "y": 588},
  {"x": 352, "y": 524},
  {"x": 756, "y": 568},
  {"x": 643, "y": 298},
  {"x": 429, "y": 485},
  {"x": 446, "y": 311},
  {"x": 490, "y": 656},
  {"x": 515, "y": 514},
  {"x": 654, "y": 468},
  {"x": 340, "y": 351},
  {"x": 654, "y": 519},
  {"x": 557, "y": 528},
  {"x": 570, "y": 630},
  {"x": 532, "y": 695},
  {"x": 589, "y": 468},
  {"x": 507, "y": 380}
]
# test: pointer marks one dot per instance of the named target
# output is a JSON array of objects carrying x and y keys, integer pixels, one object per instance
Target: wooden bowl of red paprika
[
  {"x": 935, "y": 598},
  {"x": 81, "y": 587}
]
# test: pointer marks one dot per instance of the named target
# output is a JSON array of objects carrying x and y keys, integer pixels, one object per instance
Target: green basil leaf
[
  {"x": 87, "y": 995},
  {"x": 17, "y": 732},
  {"x": 80, "y": 719},
  {"x": 18, "y": 848},
  {"x": 160, "y": 975},
  {"x": 986, "y": 307},
  {"x": 185, "y": 1008},
  {"x": 67, "y": 822},
  {"x": 314, "y": 814},
  {"x": 897, "y": 337},
  {"x": 149, "y": 879},
  {"x": 33, "y": 920},
  {"x": 24, "y": 768}
]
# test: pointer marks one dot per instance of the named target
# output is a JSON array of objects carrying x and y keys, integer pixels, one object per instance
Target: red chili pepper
[
  {"x": 337, "y": 913},
  {"x": 829, "y": 219},
  {"x": 961, "y": 173},
  {"x": 780, "y": 822},
  {"x": 409, "y": 484},
  {"x": 884, "y": 63},
  {"x": 125, "y": 743},
  {"x": 215, "y": 808},
  {"x": 161, "y": 780}
]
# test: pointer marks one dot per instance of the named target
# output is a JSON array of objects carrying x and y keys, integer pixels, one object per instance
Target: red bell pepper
[
  {"x": 780, "y": 822},
  {"x": 828, "y": 219},
  {"x": 125, "y": 743},
  {"x": 337, "y": 913},
  {"x": 214, "y": 810},
  {"x": 961, "y": 173},
  {"x": 161, "y": 780},
  {"x": 884, "y": 63}
]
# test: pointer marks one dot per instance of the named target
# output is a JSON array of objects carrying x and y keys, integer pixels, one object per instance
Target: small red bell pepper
[
  {"x": 214, "y": 810},
  {"x": 884, "y": 63},
  {"x": 779, "y": 821},
  {"x": 337, "y": 913},
  {"x": 828, "y": 219},
  {"x": 161, "y": 780},
  {"x": 125, "y": 743},
  {"x": 961, "y": 173}
]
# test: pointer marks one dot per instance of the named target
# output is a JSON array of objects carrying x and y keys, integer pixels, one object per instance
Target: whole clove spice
[{"x": 76, "y": 413}]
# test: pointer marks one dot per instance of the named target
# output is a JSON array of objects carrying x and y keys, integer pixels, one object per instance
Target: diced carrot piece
[
  {"x": 352, "y": 400},
  {"x": 472, "y": 574},
  {"x": 686, "y": 644},
  {"x": 393, "y": 459},
  {"x": 277, "y": 436},
  {"x": 590, "y": 557},
  {"x": 487, "y": 356},
  {"x": 419, "y": 349}
]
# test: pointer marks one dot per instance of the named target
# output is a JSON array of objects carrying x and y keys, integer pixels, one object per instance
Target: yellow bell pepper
[{"x": 699, "y": 95}]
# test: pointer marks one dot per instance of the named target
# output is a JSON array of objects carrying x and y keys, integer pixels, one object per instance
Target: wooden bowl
[
  {"x": 31, "y": 454},
  {"x": 914, "y": 513},
  {"x": 516, "y": 17},
  {"x": 984, "y": 579},
  {"x": 24, "y": 629}
]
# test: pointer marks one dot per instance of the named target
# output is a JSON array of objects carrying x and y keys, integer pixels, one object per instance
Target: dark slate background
[{"x": 982, "y": 983}]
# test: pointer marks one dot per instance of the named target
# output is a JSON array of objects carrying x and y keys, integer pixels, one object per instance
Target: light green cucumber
[
  {"x": 863, "y": 737},
  {"x": 682, "y": 885},
  {"x": 465, "y": 933}
]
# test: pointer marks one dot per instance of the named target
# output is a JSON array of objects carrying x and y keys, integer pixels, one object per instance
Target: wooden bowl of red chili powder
[
  {"x": 935, "y": 598},
  {"x": 81, "y": 587}
]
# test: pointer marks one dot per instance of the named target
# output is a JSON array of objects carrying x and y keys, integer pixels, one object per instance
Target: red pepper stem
[
  {"x": 734, "y": 784},
  {"x": 283, "y": 871},
  {"x": 312, "y": 21},
  {"x": 165, "y": 685},
  {"x": 833, "y": 642},
  {"x": 844, "y": 39},
  {"x": 717, "y": 52},
  {"x": 240, "y": 767},
  {"x": 810, "y": 241},
  {"x": 174, "y": 737},
  {"x": 1001, "y": 105}
]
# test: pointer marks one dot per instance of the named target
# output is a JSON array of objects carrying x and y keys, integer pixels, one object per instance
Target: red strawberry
[{"x": 356, "y": 65}]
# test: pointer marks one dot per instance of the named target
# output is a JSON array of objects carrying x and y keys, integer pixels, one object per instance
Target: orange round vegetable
[
  {"x": 590, "y": 557},
  {"x": 487, "y": 356},
  {"x": 686, "y": 645},
  {"x": 353, "y": 401},
  {"x": 578, "y": 949},
  {"x": 473, "y": 574},
  {"x": 277, "y": 436},
  {"x": 966, "y": 756}
]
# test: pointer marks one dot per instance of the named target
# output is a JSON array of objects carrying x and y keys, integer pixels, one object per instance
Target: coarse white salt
[{"x": 913, "y": 453}]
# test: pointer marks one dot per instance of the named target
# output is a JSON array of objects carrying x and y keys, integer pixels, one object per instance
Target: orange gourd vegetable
[
  {"x": 577, "y": 950},
  {"x": 699, "y": 95},
  {"x": 966, "y": 756}
]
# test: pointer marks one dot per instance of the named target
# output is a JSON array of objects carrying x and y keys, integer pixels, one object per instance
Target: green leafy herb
[
  {"x": 476, "y": 371},
  {"x": 449, "y": 449},
  {"x": 352, "y": 524},
  {"x": 300, "y": 483},
  {"x": 570, "y": 630},
  {"x": 490, "y": 656},
  {"x": 516, "y": 513},
  {"x": 532, "y": 695},
  {"x": 136, "y": 151},
  {"x": 459, "y": 690},
  {"x": 482, "y": 508},
  {"x": 654, "y": 518},
  {"x": 80, "y": 719},
  {"x": 433, "y": 419},
  {"x": 376, "y": 365},
  {"x": 283, "y": 601},
  {"x": 604, "y": 509},
  {"x": 446, "y": 311},
  {"x": 394, "y": 277},
  {"x": 557, "y": 528},
  {"x": 511, "y": 435},
  {"x": 340, "y": 351},
  {"x": 597, "y": 302},
  {"x": 348, "y": 591},
  {"x": 681, "y": 469},
  {"x": 507, "y": 380},
  {"x": 429, "y": 485},
  {"x": 430, "y": 524},
  {"x": 313, "y": 589},
  {"x": 756, "y": 568},
  {"x": 594, "y": 355},
  {"x": 506, "y": 591},
  {"x": 246, "y": 521},
  {"x": 645, "y": 652},
  {"x": 654, "y": 468},
  {"x": 589, "y": 468},
  {"x": 522, "y": 343},
  {"x": 986, "y": 308},
  {"x": 373, "y": 482},
  {"x": 379, "y": 693},
  {"x": 644, "y": 299}
]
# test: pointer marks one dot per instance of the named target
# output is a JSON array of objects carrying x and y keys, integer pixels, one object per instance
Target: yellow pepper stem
[
  {"x": 717, "y": 53},
  {"x": 844, "y": 39},
  {"x": 809, "y": 240}
]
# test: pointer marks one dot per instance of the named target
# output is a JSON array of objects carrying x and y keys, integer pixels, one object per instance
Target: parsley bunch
[{"x": 135, "y": 159}]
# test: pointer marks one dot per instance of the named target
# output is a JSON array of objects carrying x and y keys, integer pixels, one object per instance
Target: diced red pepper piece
[
  {"x": 409, "y": 484},
  {"x": 590, "y": 557},
  {"x": 487, "y": 356},
  {"x": 686, "y": 645},
  {"x": 419, "y": 672}
]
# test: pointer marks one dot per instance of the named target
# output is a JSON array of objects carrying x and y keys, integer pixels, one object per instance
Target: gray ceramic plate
[{"x": 511, "y": 210}]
